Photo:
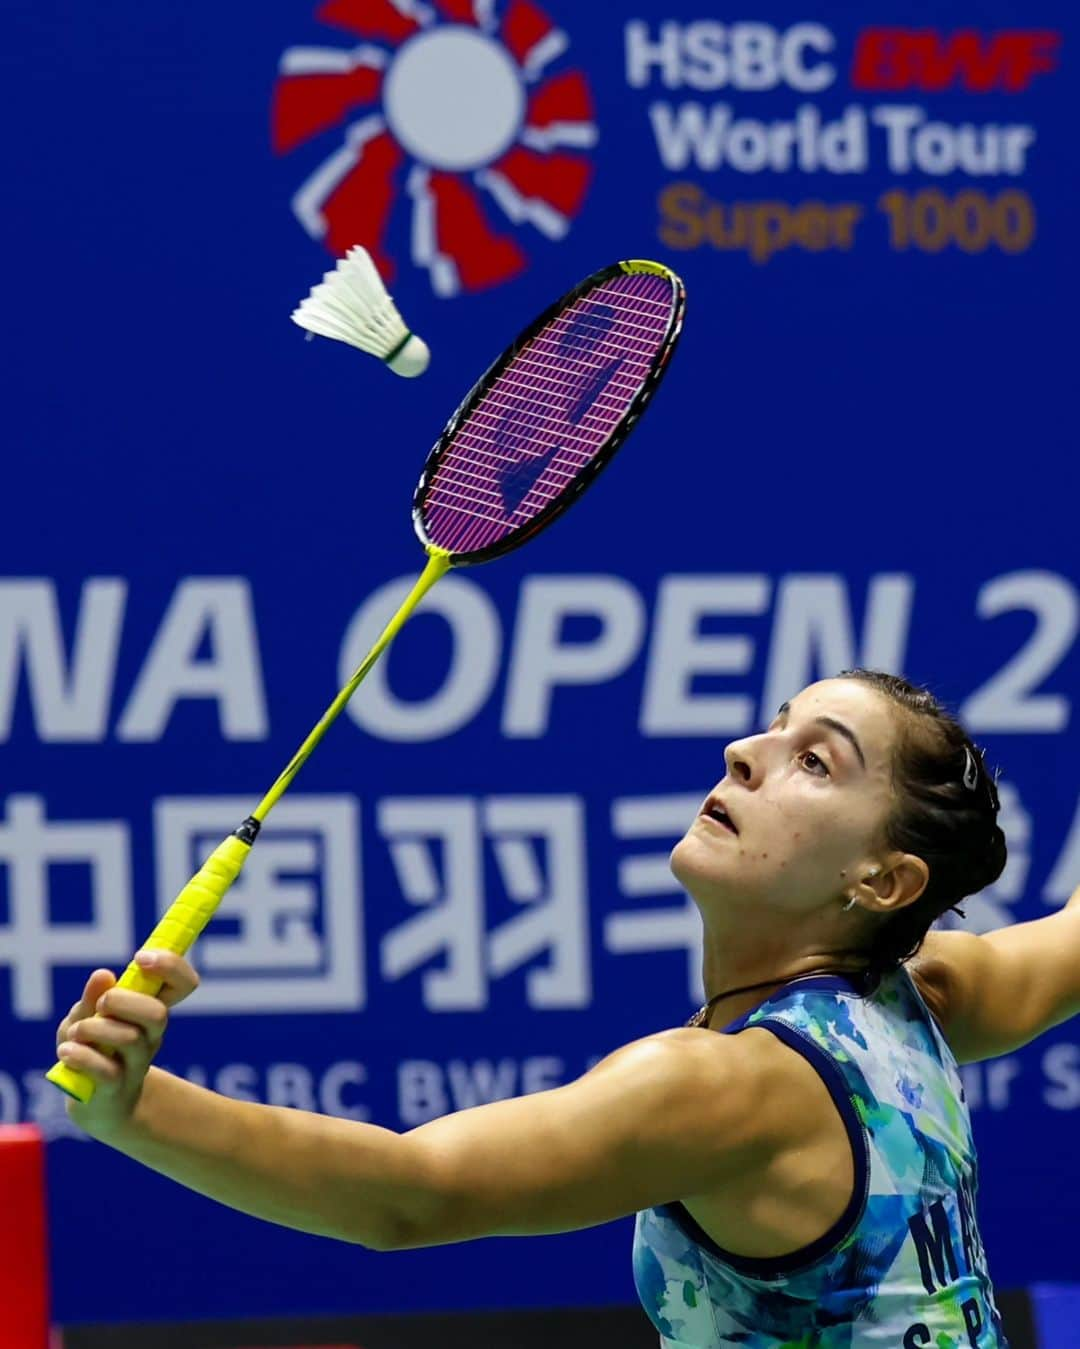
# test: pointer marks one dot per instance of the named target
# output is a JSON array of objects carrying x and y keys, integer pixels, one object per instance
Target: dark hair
[{"x": 946, "y": 813}]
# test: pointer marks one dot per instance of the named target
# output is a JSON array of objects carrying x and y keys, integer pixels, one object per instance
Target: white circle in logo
[{"x": 454, "y": 98}]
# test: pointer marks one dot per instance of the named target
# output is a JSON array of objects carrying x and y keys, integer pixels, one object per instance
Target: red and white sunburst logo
[{"x": 452, "y": 114}]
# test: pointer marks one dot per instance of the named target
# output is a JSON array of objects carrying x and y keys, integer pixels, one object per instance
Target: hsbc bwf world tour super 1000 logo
[{"x": 456, "y": 113}]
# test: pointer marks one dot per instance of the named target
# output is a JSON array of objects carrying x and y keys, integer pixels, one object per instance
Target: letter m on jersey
[{"x": 934, "y": 1245}]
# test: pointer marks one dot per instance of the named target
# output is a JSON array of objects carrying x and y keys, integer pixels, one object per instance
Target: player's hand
[{"x": 129, "y": 1026}]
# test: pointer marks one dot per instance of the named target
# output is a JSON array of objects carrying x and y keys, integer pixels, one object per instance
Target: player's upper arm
[
  {"x": 664, "y": 1117},
  {"x": 994, "y": 993}
]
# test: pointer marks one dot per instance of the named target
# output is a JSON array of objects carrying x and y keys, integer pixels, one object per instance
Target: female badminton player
[{"x": 799, "y": 1156}]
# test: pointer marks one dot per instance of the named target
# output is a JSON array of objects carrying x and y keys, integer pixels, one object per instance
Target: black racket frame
[{"x": 603, "y": 457}]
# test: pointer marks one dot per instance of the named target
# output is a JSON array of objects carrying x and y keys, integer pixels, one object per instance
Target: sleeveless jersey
[{"x": 904, "y": 1266}]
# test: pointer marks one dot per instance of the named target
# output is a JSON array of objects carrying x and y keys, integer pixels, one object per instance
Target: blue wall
[{"x": 862, "y": 452}]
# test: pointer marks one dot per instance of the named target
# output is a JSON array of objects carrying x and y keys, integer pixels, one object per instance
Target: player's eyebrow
[{"x": 833, "y": 725}]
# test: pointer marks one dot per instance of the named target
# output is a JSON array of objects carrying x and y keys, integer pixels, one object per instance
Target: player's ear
[{"x": 893, "y": 884}]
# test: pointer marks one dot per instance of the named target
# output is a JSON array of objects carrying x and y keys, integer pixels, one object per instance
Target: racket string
[
  {"x": 452, "y": 479},
  {"x": 605, "y": 410},
  {"x": 583, "y": 332},
  {"x": 586, "y": 323},
  {"x": 583, "y": 305},
  {"x": 547, "y": 368},
  {"x": 558, "y": 427},
  {"x": 550, "y": 360},
  {"x": 611, "y": 401},
  {"x": 597, "y": 338},
  {"x": 539, "y": 499},
  {"x": 451, "y": 463},
  {"x": 471, "y": 449},
  {"x": 479, "y": 491},
  {"x": 531, "y": 368},
  {"x": 478, "y": 515}
]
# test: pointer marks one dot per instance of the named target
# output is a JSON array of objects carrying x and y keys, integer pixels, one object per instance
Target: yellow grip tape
[{"x": 178, "y": 928}]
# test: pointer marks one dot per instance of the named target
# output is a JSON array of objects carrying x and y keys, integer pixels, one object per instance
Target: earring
[{"x": 852, "y": 900}]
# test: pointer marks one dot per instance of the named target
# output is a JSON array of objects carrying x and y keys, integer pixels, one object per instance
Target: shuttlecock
[{"x": 351, "y": 304}]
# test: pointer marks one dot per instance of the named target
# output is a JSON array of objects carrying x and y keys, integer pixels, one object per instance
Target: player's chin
[{"x": 696, "y": 862}]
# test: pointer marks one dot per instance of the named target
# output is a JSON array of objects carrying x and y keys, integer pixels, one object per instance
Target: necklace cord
[{"x": 701, "y": 1016}]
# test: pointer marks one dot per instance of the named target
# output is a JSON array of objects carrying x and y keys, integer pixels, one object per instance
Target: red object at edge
[{"x": 24, "y": 1286}]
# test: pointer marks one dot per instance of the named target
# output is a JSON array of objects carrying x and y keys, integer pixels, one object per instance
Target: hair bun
[{"x": 997, "y": 854}]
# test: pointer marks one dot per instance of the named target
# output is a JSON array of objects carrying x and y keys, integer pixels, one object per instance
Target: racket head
[{"x": 549, "y": 413}]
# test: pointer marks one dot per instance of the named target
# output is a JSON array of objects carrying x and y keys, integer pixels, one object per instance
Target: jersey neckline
[{"x": 854, "y": 984}]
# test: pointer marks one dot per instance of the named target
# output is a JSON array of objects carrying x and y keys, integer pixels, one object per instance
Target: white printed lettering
[
  {"x": 35, "y": 938},
  {"x": 293, "y": 918},
  {"x": 1061, "y": 1069},
  {"x": 676, "y": 928},
  {"x": 474, "y": 664},
  {"x": 989, "y": 1085},
  {"x": 749, "y": 56},
  {"x": 239, "y": 1081},
  {"x": 480, "y": 1083},
  {"x": 542, "y": 661},
  {"x": 332, "y": 1090},
  {"x": 290, "y": 1084},
  {"x": 420, "y": 830},
  {"x": 814, "y": 638},
  {"x": 219, "y": 610},
  {"x": 70, "y": 701},
  {"x": 939, "y": 148},
  {"x": 543, "y": 1072},
  {"x": 526, "y": 831},
  {"x": 679, "y": 652},
  {"x": 421, "y": 1094},
  {"x": 1008, "y": 702}
]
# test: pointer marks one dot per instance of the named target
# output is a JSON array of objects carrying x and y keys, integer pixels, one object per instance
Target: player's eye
[{"x": 813, "y": 764}]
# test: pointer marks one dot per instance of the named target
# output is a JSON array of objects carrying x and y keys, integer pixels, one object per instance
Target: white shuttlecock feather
[{"x": 351, "y": 304}]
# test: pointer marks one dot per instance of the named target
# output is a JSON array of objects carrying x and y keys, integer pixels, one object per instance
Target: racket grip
[{"x": 176, "y": 931}]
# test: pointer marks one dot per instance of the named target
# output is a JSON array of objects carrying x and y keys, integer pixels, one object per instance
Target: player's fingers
[
  {"x": 96, "y": 985},
  {"x": 105, "y": 1030},
  {"x": 178, "y": 978},
  {"x": 147, "y": 1013},
  {"x": 103, "y": 1069}
]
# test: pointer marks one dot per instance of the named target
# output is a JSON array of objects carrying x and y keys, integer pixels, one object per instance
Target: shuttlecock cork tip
[{"x": 411, "y": 359}]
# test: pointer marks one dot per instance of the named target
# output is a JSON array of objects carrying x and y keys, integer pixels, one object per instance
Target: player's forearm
[
  {"x": 1073, "y": 901},
  {"x": 333, "y": 1177},
  {"x": 1035, "y": 983}
]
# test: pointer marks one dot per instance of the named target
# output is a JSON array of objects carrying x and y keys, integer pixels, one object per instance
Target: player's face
[{"x": 807, "y": 802}]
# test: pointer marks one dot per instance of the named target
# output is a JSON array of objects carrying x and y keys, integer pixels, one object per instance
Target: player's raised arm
[{"x": 997, "y": 992}]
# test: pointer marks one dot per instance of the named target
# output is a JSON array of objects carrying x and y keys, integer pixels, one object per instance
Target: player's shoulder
[
  {"x": 752, "y": 1056},
  {"x": 749, "y": 1083},
  {"x": 750, "y": 1052}
]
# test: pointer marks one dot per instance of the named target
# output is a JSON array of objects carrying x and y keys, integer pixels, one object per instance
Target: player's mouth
[{"x": 716, "y": 811}]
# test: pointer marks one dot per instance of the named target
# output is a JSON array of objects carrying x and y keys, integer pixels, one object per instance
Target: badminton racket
[{"x": 532, "y": 434}]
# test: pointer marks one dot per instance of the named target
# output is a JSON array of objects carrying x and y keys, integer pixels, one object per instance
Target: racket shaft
[
  {"x": 438, "y": 564},
  {"x": 177, "y": 930}
]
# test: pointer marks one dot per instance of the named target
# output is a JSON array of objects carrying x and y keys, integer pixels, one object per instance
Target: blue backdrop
[{"x": 861, "y": 454}]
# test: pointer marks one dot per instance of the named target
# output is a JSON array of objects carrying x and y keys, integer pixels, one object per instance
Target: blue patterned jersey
[{"x": 904, "y": 1266}]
